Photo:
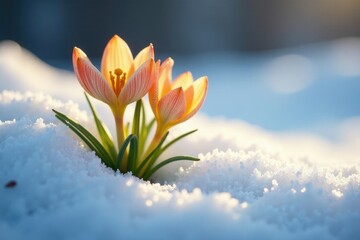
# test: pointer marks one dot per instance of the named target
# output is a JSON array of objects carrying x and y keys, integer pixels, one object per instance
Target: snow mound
[
  {"x": 292, "y": 194},
  {"x": 269, "y": 186},
  {"x": 62, "y": 188},
  {"x": 15, "y": 105}
]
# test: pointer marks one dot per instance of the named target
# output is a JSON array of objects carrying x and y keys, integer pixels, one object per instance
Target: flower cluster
[{"x": 123, "y": 80}]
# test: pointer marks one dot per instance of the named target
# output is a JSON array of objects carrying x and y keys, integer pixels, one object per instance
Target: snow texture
[{"x": 249, "y": 184}]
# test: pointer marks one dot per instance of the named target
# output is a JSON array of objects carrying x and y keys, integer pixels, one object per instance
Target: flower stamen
[{"x": 117, "y": 82}]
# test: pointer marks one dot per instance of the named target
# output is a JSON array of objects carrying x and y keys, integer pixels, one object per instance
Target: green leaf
[
  {"x": 127, "y": 129},
  {"x": 104, "y": 133},
  {"x": 133, "y": 154},
  {"x": 149, "y": 173},
  {"x": 173, "y": 141},
  {"x": 149, "y": 159},
  {"x": 177, "y": 139},
  {"x": 160, "y": 149},
  {"x": 136, "y": 119},
  {"x": 122, "y": 150},
  {"x": 145, "y": 130},
  {"x": 143, "y": 122},
  {"x": 87, "y": 137},
  {"x": 150, "y": 125}
]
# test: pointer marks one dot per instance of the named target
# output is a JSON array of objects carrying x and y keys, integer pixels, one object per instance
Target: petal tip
[
  {"x": 206, "y": 79},
  {"x": 151, "y": 46},
  {"x": 115, "y": 39},
  {"x": 169, "y": 61},
  {"x": 77, "y": 52},
  {"x": 178, "y": 90},
  {"x": 189, "y": 76}
]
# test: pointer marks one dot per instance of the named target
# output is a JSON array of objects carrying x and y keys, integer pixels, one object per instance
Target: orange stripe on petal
[
  {"x": 139, "y": 83},
  {"x": 117, "y": 54},
  {"x": 93, "y": 82},
  {"x": 172, "y": 106}
]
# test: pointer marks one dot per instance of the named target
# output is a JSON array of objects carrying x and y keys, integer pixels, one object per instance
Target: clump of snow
[
  {"x": 64, "y": 192},
  {"x": 292, "y": 194},
  {"x": 15, "y": 105},
  {"x": 53, "y": 187}
]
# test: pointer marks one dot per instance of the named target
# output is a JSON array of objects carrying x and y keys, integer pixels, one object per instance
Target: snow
[{"x": 251, "y": 183}]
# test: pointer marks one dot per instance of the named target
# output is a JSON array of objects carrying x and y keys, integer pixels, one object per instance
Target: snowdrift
[{"x": 250, "y": 183}]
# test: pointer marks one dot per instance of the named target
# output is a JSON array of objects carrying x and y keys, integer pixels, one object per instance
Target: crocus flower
[
  {"x": 122, "y": 79},
  {"x": 175, "y": 101}
]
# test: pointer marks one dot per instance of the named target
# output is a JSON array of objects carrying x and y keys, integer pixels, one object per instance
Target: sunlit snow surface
[{"x": 268, "y": 185}]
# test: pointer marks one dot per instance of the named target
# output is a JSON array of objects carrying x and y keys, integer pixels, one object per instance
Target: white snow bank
[
  {"x": 22, "y": 71},
  {"x": 63, "y": 192},
  {"x": 292, "y": 194},
  {"x": 269, "y": 186}
]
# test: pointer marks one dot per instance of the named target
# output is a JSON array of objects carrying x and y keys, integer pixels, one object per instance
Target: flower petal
[
  {"x": 139, "y": 83},
  {"x": 144, "y": 55},
  {"x": 164, "y": 82},
  {"x": 200, "y": 90},
  {"x": 184, "y": 80},
  {"x": 189, "y": 95},
  {"x": 117, "y": 54},
  {"x": 172, "y": 106},
  {"x": 93, "y": 81},
  {"x": 77, "y": 53},
  {"x": 153, "y": 92}
]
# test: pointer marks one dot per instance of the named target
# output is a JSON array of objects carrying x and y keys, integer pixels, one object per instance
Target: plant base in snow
[{"x": 131, "y": 156}]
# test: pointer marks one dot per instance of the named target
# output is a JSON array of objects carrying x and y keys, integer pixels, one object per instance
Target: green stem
[
  {"x": 119, "y": 123},
  {"x": 159, "y": 134},
  {"x": 118, "y": 113}
]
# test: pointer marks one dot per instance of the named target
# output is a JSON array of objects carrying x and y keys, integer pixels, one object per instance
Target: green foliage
[
  {"x": 88, "y": 139},
  {"x": 130, "y": 156},
  {"x": 104, "y": 133}
]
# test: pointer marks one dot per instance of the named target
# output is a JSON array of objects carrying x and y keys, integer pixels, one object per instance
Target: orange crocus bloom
[
  {"x": 175, "y": 101},
  {"x": 122, "y": 79}
]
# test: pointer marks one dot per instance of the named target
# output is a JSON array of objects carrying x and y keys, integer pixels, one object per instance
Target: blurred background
[
  {"x": 279, "y": 64},
  {"x": 51, "y": 28}
]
